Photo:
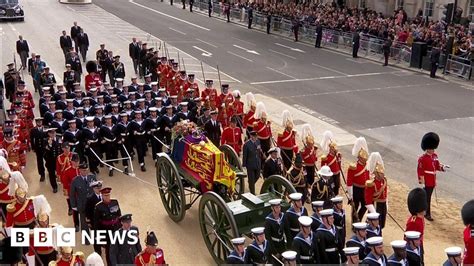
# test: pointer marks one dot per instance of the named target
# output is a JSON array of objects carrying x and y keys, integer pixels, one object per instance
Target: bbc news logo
[{"x": 66, "y": 237}]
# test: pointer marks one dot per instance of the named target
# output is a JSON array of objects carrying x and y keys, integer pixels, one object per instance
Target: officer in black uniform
[
  {"x": 327, "y": 240},
  {"x": 37, "y": 139},
  {"x": 317, "y": 206},
  {"x": 274, "y": 229},
  {"x": 340, "y": 223},
  {"x": 258, "y": 252},
  {"x": 108, "y": 140},
  {"x": 69, "y": 78},
  {"x": 90, "y": 137},
  {"x": 305, "y": 243},
  {"x": 122, "y": 134},
  {"x": 323, "y": 188},
  {"x": 137, "y": 131},
  {"x": 291, "y": 225},
  {"x": 434, "y": 59},
  {"x": 237, "y": 256},
  {"x": 273, "y": 164},
  {"x": 91, "y": 202},
  {"x": 118, "y": 70},
  {"x": 125, "y": 253},
  {"x": 358, "y": 239},
  {"x": 106, "y": 217},
  {"x": 101, "y": 57},
  {"x": 319, "y": 34},
  {"x": 51, "y": 151},
  {"x": 297, "y": 176}
]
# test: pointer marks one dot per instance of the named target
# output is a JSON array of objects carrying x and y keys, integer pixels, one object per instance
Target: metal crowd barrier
[{"x": 459, "y": 66}]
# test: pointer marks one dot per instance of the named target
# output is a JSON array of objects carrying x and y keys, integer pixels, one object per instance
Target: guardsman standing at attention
[
  {"x": 258, "y": 252},
  {"x": 399, "y": 256},
  {"x": 209, "y": 95},
  {"x": 376, "y": 256},
  {"x": 305, "y": 243},
  {"x": 332, "y": 159},
  {"x": 417, "y": 206},
  {"x": 428, "y": 164},
  {"x": 358, "y": 239},
  {"x": 467, "y": 213},
  {"x": 376, "y": 190},
  {"x": 249, "y": 118},
  {"x": 263, "y": 127},
  {"x": 286, "y": 140},
  {"x": 454, "y": 256},
  {"x": 237, "y": 256},
  {"x": 414, "y": 251},
  {"x": 152, "y": 255},
  {"x": 327, "y": 240},
  {"x": 274, "y": 229},
  {"x": 309, "y": 154},
  {"x": 291, "y": 225},
  {"x": 357, "y": 175}
]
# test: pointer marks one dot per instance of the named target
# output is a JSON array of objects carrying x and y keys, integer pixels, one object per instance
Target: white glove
[
  {"x": 30, "y": 260},
  {"x": 370, "y": 208},
  {"x": 75, "y": 209},
  {"x": 349, "y": 192},
  {"x": 446, "y": 167}
]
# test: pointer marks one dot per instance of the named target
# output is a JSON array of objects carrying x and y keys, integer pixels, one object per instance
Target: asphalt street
[{"x": 391, "y": 106}]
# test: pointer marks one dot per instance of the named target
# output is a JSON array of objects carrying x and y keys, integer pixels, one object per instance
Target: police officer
[
  {"x": 434, "y": 59},
  {"x": 37, "y": 137},
  {"x": 358, "y": 239},
  {"x": 291, "y": 225},
  {"x": 376, "y": 256},
  {"x": 106, "y": 217},
  {"x": 387, "y": 45},
  {"x": 258, "y": 252},
  {"x": 274, "y": 228},
  {"x": 237, "y": 256},
  {"x": 125, "y": 253},
  {"x": 269, "y": 21},
  {"x": 51, "y": 151},
  {"x": 305, "y": 244}
]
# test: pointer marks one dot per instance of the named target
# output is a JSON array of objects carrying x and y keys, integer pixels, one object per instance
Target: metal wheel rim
[
  {"x": 282, "y": 186},
  {"x": 170, "y": 188},
  {"x": 217, "y": 223}
]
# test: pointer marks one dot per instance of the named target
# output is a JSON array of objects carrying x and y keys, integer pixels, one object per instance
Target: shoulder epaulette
[
  {"x": 11, "y": 207},
  {"x": 353, "y": 166},
  {"x": 369, "y": 183}
]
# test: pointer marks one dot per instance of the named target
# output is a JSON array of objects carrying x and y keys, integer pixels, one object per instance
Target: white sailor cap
[
  {"x": 326, "y": 212},
  {"x": 453, "y": 251},
  {"x": 115, "y": 105},
  {"x": 46, "y": 88},
  {"x": 62, "y": 92},
  {"x": 100, "y": 96},
  {"x": 373, "y": 216},
  {"x": 158, "y": 99},
  {"x": 257, "y": 230},
  {"x": 305, "y": 220},
  {"x": 59, "y": 111},
  {"x": 184, "y": 103},
  {"x": 153, "y": 109},
  {"x": 375, "y": 241},
  {"x": 93, "y": 89},
  {"x": 141, "y": 100},
  {"x": 238, "y": 240},
  {"x": 161, "y": 90},
  {"x": 127, "y": 101},
  {"x": 350, "y": 251},
  {"x": 108, "y": 117},
  {"x": 274, "y": 202},
  {"x": 132, "y": 93},
  {"x": 174, "y": 96},
  {"x": 337, "y": 199},
  {"x": 398, "y": 244},
  {"x": 154, "y": 83},
  {"x": 90, "y": 119},
  {"x": 317, "y": 203},
  {"x": 71, "y": 121},
  {"x": 96, "y": 183},
  {"x": 98, "y": 106},
  {"x": 80, "y": 108},
  {"x": 289, "y": 255},
  {"x": 119, "y": 79},
  {"x": 274, "y": 149},
  {"x": 296, "y": 196},
  {"x": 141, "y": 84},
  {"x": 412, "y": 235},
  {"x": 69, "y": 100},
  {"x": 359, "y": 226}
]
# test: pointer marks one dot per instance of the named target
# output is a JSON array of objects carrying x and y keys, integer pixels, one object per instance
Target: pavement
[{"x": 392, "y": 107}]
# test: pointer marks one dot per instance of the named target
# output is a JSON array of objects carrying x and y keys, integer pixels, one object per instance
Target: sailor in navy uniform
[
  {"x": 399, "y": 256},
  {"x": 90, "y": 137},
  {"x": 151, "y": 127},
  {"x": 274, "y": 229},
  {"x": 317, "y": 207},
  {"x": 237, "y": 256},
  {"x": 291, "y": 226},
  {"x": 108, "y": 141},
  {"x": 289, "y": 258},
  {"x": 121, "y": 132},
  {"x": 454, "y": 256},
  {"x": 305, "y": 244},
  {"x": 352, "y": 255},
  {"x": 73, "y": 135},
  {"x": 183, "y": 114},
  {"x": 376, "y": 256},
  {"x": 326, "y": 237},
  {"x": 166, "y": 124},
  {"x": 258, "y": 252},
  {"x": 340, "y": 223},
  {"x": 414, "y": 254},
  {"x": 137, "y": 131},
  {"x": 373, "y": 225},
  {"x": 358, "y": 239}
]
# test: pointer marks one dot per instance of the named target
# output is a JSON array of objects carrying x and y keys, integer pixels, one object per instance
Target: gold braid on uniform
[
  {"x": 295, "y": 180},
  {"x": 150, "y": 262},
  {"x": 378, "y": 193},
  {"x": 323, "y": 191}
]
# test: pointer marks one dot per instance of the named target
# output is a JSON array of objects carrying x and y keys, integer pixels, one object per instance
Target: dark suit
[
  {"x": 75, "y": 30},
  {"x": 65, "y": 42},
  {"x": 124, "y": 253},
  {"x": 134, "y": 53},
  {"x": 80, "y": 191},
  {"x": 91, "y": 201},
  {"x": 83, "y": 43},
  {"x": 23, "y": 50},
  {"x": 251, "y": 160},
  {"x": 271, "y": 167},
  {"x": 213, "y": 131}
]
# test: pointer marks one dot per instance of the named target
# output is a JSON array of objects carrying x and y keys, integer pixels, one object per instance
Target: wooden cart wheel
[
  {"x": 233, "y": 159},
  {"x": 170, "y": 187},
  {"x": 278, "y": 185},
  {"x": 218, "y": 226}
]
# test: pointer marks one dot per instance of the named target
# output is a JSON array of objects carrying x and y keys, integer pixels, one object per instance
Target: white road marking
[
  {"x": 330, "y": 69},
  {"x": 204, "y": 52},
  {"x": 240, "y": 56},
  {"x": 166, "y": 15},
  {"x": 279, "y": 72},
  {"x": 244, "y": 41},
  {"x": 291, "y": 48},
  {"x": 210, "y": 44},
  {"x": 247, "y": 50},
  {"x": 180, "y": 32},
  {"x": 276, "y": 52},
  {"x": 11, "y": 26}
]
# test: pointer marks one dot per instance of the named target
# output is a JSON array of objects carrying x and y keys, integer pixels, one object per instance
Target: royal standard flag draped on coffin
[{"x": 207, "y": 164}]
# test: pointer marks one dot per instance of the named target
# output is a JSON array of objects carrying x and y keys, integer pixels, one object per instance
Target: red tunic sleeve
[{"x": 469, "y": 245}]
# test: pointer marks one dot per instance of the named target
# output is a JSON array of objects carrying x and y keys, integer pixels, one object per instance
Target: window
[
  {"x": 400, "y": 4},
  {"x": 471, "y": 10},
  {"x": 363, "y": 3},
  {"x": 429, "y": 5}
]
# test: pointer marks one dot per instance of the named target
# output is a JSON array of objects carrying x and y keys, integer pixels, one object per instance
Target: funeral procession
[{"x": 221, "y": 132}]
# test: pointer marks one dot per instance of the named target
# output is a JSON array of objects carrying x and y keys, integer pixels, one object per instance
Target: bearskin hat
[
  {"x": 467, "y": 213},
  {"x": 430, "y": 141},
  {"x": 417, "y": 201},
  {"x": 91, "y": 66}
]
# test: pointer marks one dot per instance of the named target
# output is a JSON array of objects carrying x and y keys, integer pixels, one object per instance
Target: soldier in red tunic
[
  {"x": 93, "y": 78},
  {"x": 27, "y": 98},
  {"x": 376, "y": 190},
  {"x": 232, "y": 136},
  {"x": 67, "y": 258},
  {"x": 44, "y": 254},
  {"x": 428, "y": 164},
  {"x": 5, "y": 198},
  {"x": 417, "y": 206},
  {"x": 171, "y": 76},
  {"x": 467, "y": 213},
  {"x": 151, "y": 255},
  {"x": 209, "y": 95},
  {"x": 263, "y": 127},
  {"x": 357, "y": 175},
  {"x": 68, "y": 166},
  {"x": 163, "y": 71},
  {"x": 249, "y": 118},
  {"x": 15, "y": 150},
  {"x": 21, "y": 212},
  {"x": 224, "y": 105},
  {"x": 190, "y": 84},
  {"x": 180, "y": 81},
  {"x": 286, "y": 140},
  {"x": 238, "y": 108},
  {"x": 332, "y": 159},
  {"x": 309, "y": 153}
]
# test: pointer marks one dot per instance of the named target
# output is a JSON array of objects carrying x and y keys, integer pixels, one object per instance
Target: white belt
[
  {"x": 330, "y": 250},
  {"x": 109, "y": 140},
  {"x": 339, "y": 227},
  {"x": 305, "y": 257},
  {"x": 74, "y": 144},
  {"x": 430, "y": 172},
  {"x": 277, "y": 239},
  {"x": 295, "y": 229},
  {"x": 93, "y": 141},
  {"x": 123, "y": 134},
  {"x": 140, "y": 134}
]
